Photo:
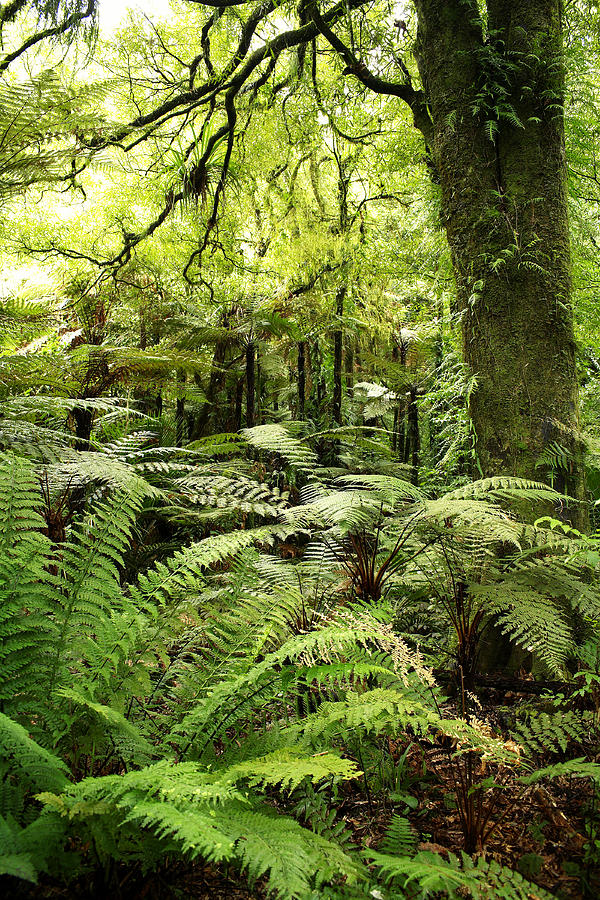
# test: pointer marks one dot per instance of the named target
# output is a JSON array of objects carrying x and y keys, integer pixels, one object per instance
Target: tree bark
[
  {"x": 180, "y": 408},
  {"x": 349, "y": 366},
  {"x": 83, "y": 418},
  {"x": 250, "y": 383},
  {"x": 239, "y": 397},
  {"x": 495, "y": 96},
  {"x": 216, "y": 381},
  {"x": 414, "y": 434},
  {"x": 338, "y": 339},
  {"x": 301, "y": 380}
]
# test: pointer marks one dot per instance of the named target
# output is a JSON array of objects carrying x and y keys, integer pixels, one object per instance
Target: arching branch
[
  {"x": 8, "y": 13},
  {"x": 354, "y": 66}
]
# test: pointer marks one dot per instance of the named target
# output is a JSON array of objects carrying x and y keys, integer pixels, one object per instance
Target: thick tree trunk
[
  {"x": 84, "y": 422},
  {"x": 495, "y": 98}
]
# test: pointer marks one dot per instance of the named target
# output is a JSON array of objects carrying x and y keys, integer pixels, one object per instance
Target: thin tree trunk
[
  {"x": 301, "y": 380},
  {"x": 143, "y": 330},
  {"x": 349, "y": 366},
  {"x": 414, "y": 435},
  {"x": 258, "y": 387},
  {"x": 180, "y": 408},
  {"x": 250, "y": 383},
  {"x": 239, "y": 398},
  {"x": 338, "y": 339}
]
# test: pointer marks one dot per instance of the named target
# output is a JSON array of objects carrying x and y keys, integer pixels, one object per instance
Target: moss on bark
[{"x": 495, "y": 98}]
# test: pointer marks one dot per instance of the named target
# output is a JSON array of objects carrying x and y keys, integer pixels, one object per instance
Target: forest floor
[{"x": 541, "y": 831}]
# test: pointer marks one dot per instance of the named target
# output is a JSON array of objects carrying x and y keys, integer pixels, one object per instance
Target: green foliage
[
  {"x": 427, "y": 873},
  {"x": 212, "y": 643},
  {"x": 24, "y": 584},
  {"x": 35, "y": 766},
  {"x": 541, "y": 732},
  {"x": 196, "y": 812}
]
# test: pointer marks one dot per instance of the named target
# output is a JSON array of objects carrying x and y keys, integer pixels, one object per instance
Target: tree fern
[{"x": 276, "y": 439}]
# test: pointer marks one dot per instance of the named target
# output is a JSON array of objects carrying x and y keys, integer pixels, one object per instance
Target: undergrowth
[{"x": 214, "y": 699}]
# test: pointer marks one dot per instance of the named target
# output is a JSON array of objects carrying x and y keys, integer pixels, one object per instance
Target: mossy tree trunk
[{"x": 495, "y": 97}]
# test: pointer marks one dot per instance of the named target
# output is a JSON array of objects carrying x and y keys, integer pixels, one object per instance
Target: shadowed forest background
[{"x": 300, "y": 450}]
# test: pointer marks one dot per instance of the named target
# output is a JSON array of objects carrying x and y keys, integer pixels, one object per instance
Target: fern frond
[
  {"x": 104, "y": 728},
  {"x": 76, "y": 470},
  {"x": 247, "y": 495},
  {"x": 428, "y": 873},
  {"x": 201, "y": 814},
  {"x": 26, "y": 595},
  {"x": 506, "y": 487},
  {"x": 28, "y": 761},
  {"x": 390, "y": 490},
  {"x": 573, "y": 768},
  {"x": 400, "y": 838},
  {"x": 88, "y": 570},
  {"x": 277, "y": 439},
  {"x": 179, "y": 575},
  {"x": 229, "y": 700},
  {"x": 540, "y": 732},
  {"x": 531, "y": 618}
]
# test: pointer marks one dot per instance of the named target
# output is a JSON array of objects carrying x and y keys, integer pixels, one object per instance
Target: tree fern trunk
[
  {"x": 250, "y": 383},
  {"x": 180, "y": 408},
  {"x": 84, "y": 421},
  {"x": 413, "y": 436},
  {"x": 301, "y": 380},
  {"x": 215, "y": 384},
  {"x": 239, "y": 398},
  {"x": 338, "y": 338}
]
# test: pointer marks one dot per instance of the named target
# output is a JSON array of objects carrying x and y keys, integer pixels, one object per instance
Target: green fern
[
  {"x": 196, "y": 813},
  {"x": 32, "y": 764},
  {"x": 26, "y": 851},
  {"x": 400, "y": 838},
  {"x": 427, "y": 873},
  {"x": 26, "y": 596},
  {"x": 276, "y": 439}
]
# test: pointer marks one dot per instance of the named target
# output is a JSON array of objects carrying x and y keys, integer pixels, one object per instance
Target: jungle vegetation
[{"x": 299, "y": 450}]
